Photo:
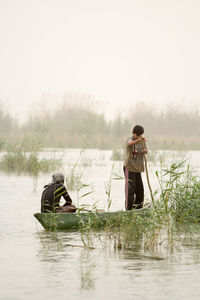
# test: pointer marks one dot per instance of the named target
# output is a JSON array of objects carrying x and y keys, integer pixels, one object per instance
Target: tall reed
[{"x": 176, "y": 203}]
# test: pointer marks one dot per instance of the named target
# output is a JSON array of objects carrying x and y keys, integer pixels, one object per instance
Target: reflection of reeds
[{"x": 87, "y": 267}]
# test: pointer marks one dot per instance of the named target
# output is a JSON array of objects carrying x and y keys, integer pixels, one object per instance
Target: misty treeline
[{"x": 82, "y": 125}]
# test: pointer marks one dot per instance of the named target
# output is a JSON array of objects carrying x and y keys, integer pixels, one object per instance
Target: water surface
[{"x": 36, "y": 264}]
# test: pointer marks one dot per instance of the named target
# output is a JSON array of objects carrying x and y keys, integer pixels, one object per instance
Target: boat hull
[{"x": 73, "y": 221}]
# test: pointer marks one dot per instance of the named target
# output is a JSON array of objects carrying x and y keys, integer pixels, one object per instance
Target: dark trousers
[{"x": 134, "y": 190}]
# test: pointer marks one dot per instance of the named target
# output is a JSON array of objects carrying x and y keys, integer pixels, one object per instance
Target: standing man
[{"x": 133, "y": 166}]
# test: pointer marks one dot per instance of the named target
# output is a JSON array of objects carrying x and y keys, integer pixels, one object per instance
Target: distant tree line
[{"x": 82, "y": 126}]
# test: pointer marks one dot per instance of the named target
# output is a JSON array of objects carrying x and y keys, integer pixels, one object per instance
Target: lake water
[{"x": 35, "y": 264}]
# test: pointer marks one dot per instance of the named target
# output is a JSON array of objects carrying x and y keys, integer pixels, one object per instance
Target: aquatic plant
[
  {"x": 180, "y": 192},
  {"x": 108, "y": 186},
  {"x": 88, "y": 192},
  {"x": 73, "y": 179},
  {"x": 74, "y": 175},
  {"x": 18, "y": 160},
  {"x": 176, "y": 203}
]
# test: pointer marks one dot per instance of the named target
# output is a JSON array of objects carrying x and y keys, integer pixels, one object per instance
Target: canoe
[{"x": 71, "y": 221}]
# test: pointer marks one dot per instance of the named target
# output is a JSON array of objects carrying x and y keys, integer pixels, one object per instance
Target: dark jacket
[{"x": 51, "y": 197}]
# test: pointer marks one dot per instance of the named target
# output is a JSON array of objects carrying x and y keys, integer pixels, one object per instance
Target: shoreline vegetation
[{"x": 83, "y": 126}]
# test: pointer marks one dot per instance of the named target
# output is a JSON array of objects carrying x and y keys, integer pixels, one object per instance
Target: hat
[{"x": 58, "y": 178}]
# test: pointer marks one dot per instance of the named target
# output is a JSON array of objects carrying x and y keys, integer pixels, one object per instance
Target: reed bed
[
  {"x": 172, "y": 220},
  {"x": 18, "y": 160},
  {"x": 85, "y": 126}
]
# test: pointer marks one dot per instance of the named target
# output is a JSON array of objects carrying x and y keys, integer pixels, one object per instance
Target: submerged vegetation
[{"x": 84, "y": 125}]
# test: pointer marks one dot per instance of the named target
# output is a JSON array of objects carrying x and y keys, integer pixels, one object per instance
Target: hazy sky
[{"x": 120, "y": 51}]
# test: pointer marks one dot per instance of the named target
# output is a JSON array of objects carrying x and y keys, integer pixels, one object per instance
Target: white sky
[{"x": 120, "y": 51}]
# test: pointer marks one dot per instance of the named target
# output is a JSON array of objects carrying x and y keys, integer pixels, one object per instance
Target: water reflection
[
  {"x": 65, "y": 251},
  {"x": 53, "y": 246},
  {"x": 87, "y": 269},
  {"x": 56, "y": 265}
]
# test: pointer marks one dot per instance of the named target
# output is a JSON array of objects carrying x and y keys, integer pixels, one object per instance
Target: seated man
[{"x": 50, "y": 200}]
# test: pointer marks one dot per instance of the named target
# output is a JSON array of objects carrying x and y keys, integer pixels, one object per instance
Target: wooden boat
[{"x": 70, "y": 221}]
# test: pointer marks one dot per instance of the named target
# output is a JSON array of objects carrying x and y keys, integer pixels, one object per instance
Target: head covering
[{"x": 58, "y": 178}]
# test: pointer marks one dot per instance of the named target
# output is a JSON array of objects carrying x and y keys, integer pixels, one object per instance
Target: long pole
[{"x": 147, "y": 174}]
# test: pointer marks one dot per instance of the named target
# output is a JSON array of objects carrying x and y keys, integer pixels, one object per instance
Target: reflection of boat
[{"x": 67, "y": 221}]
